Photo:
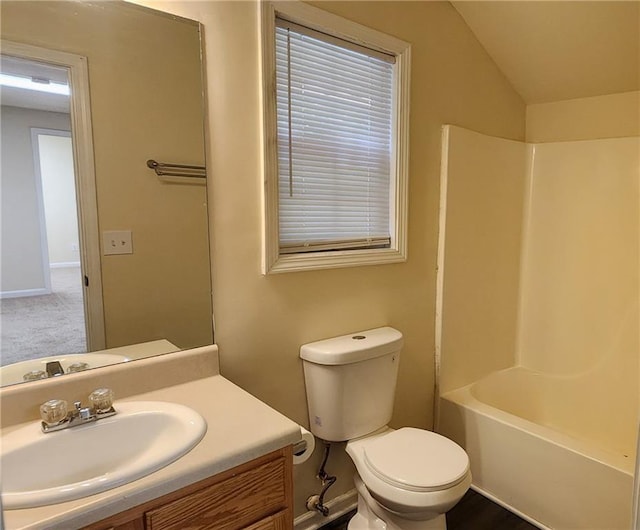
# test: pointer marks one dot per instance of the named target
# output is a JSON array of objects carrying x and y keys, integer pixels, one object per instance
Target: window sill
[{"x": 335, "y": 259}]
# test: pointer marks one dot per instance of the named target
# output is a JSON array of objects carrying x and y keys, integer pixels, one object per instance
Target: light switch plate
[{"x": 117, "y": 242}]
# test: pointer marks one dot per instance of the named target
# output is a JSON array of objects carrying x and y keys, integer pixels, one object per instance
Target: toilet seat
[
  {"x": 416, "y": 460},
  {"x": 391, "y": 482}
]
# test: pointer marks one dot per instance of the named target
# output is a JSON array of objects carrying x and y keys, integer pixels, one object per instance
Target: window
[{"x": 336, "y": 130}]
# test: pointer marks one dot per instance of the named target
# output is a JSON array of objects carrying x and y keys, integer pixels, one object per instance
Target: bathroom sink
[
  {"x": 144, "y": 436},
  {"x": 14, "y": 373}
]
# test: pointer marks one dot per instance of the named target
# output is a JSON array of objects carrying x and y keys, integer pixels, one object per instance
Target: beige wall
[
  {"x": 262, "y": 318},
  {"x": 610, "y": 116},
  {"x": 482, "y": 234},
  {"x": 145, "y": 82},
  {"x": 262, "y": 321}
]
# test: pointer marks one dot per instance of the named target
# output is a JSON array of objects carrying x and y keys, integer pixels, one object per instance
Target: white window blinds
[{"x": 334, "y": 115}]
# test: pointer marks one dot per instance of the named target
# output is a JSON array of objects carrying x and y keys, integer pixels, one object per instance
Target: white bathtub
[{"x": 534, "y": 451}]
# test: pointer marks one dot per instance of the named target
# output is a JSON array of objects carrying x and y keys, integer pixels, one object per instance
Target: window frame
[{"x": 303, "y": 14}]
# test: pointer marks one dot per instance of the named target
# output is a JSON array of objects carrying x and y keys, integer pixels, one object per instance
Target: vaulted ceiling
[
  {"x": 556, "y": 50},
  {"x": 551, "y": 50}
]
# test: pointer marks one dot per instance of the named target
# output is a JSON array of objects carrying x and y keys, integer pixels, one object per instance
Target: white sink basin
[{"x": 143, "y": 437}]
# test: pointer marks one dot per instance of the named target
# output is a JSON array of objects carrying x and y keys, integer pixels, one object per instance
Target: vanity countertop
[{"x": 239, "y": 428}]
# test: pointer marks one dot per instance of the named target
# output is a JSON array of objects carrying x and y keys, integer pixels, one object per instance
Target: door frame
[
  {"x": 85, "y": 178},
  {"x": 37, "y": 169}
]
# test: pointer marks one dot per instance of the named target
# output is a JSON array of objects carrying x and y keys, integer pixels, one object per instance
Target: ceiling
[
  {"x": 30, "y": 99},
  {"x": 548, "y": 50},
  {"x": 557, "y": 50}
]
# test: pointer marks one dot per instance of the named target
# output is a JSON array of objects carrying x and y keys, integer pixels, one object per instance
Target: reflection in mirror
[{"x": 99, "y": 254}]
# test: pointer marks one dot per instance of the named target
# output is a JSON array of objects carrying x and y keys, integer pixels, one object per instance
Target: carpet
[{"x": 38, "y": 326}]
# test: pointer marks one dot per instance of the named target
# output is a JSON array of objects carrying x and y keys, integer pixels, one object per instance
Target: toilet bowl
[
  {"x": 372, "y": 516},
  {"x": 407, "y": 478}
]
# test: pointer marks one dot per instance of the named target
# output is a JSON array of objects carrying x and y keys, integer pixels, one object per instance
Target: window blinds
[{"x": 334, "y": 115}]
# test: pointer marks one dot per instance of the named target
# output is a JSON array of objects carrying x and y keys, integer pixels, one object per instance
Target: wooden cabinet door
[
  {"x": 229, "y": 505},
  {"x": 260, "y": 490}
]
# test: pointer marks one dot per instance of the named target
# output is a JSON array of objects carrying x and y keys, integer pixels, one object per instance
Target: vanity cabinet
[{"x": 257, "y": 495}]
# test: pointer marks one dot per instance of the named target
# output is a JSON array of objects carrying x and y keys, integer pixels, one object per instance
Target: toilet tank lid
[{"x": 354, "y": 347}]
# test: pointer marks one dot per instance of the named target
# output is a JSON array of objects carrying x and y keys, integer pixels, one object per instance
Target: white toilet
[{"x": 406, "y": 479}]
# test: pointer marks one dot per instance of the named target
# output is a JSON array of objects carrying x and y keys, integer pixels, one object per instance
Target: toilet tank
[{"x": 351, "y": 382}]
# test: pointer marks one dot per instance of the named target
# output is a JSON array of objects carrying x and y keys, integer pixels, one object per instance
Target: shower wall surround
[
  {"x": 580, "y": 285},
  {"x": 539, "y": 276},
  {"x": 540, "y": 253},
  {"x": 483, "y": 188}
]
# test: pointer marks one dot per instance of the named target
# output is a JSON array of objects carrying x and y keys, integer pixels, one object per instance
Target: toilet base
[
  {"x": 372, "y": 516},
  {"x": 360, "y": 522}
]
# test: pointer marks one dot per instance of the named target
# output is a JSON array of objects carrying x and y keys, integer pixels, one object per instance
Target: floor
[
  {"x": 478, "y": 513},
  {"x": 52, "y": 324},
  {"x": 473, "y": 512}
]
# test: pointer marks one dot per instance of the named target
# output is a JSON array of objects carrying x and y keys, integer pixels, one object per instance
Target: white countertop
[{"x": 239, "y": 428}]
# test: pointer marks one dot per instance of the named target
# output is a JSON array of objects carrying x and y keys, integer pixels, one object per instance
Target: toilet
[{"x": 406, "y": 479}]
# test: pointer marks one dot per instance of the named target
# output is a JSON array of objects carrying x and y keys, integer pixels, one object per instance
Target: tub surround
[
  {"x": 538, "y": 351},
  {"x": 479, "y": 257},
  {"x": 240, "y": 428}
]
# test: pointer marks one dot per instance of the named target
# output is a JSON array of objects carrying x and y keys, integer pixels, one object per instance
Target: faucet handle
[
  {"x": 34, "y": 375},
  {"x": 101, "y": 399},
  {"x": 53, "y": 411}
]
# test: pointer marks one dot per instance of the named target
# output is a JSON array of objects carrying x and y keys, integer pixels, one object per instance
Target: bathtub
[{"x": 532, "y": 453}]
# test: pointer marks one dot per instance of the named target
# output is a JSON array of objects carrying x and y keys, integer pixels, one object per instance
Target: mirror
[{"x": 130, "y": 276}]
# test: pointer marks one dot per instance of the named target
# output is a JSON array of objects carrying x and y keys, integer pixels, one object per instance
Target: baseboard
[
  {"x": 64, "y": 264},
  {"x": 24, "y": 292},
  {"x": 337, "y": 508}
]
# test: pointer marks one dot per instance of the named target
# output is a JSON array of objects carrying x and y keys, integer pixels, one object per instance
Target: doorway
[{"x": 50, "y": 291}]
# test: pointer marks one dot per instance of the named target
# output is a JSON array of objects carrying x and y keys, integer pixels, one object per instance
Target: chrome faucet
[
  {"x": 55, "y": 415},
  {"x": 54, "y": 368}
]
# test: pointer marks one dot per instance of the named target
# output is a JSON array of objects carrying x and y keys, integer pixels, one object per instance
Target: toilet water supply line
[{"x": 316, "y": 502}]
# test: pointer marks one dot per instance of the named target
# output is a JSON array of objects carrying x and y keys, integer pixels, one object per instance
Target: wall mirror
[{"x": 102, "y": 260}]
